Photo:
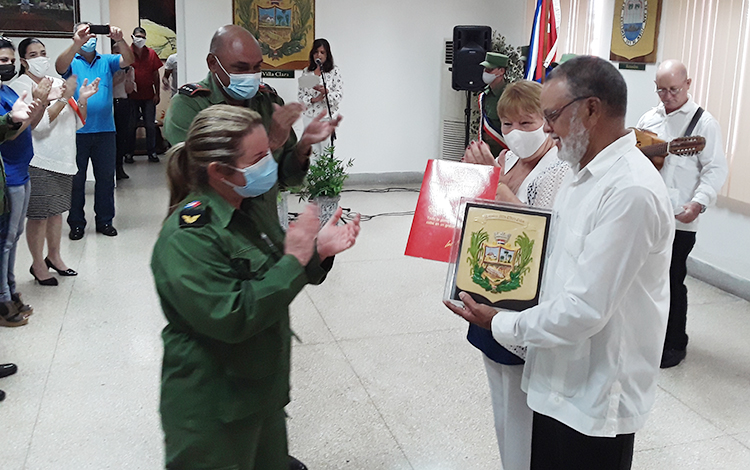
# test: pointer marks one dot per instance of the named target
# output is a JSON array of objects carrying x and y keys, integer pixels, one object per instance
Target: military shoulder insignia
[
  {"x": 193, "y": 215},
  {"x": 194, "y": 89},
  {"x": 265, "y": 88}
]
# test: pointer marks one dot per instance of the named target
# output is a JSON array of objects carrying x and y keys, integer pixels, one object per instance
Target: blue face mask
[
  {"x": 259, "y": 178},
  {"x": 89, "y": 46},
  {"x": 242, "y": 86}
]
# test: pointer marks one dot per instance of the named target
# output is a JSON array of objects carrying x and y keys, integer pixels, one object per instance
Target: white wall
[{"x": 390, "y": 53}]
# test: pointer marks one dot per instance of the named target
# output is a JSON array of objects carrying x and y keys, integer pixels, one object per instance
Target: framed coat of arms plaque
[
  {"x": 499, "y": 256},
  {"x": 635, "y": 29},
  {"x": 285, "y": 29}
]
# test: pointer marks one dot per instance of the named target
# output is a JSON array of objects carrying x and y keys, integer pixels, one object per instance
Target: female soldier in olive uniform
[{"x": 226, "y": 274}]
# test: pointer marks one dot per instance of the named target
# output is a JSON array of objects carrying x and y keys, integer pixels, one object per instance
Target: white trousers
[{"x": 513, "y": 417}]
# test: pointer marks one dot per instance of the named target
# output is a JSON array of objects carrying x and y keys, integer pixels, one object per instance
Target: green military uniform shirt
[
  {"x": 491, "y": 97},
  {"x": 225, "y": 287},
  {"x": 193, "y": 98}
]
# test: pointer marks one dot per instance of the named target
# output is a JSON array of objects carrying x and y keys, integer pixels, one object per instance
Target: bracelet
[{"x": 12, "y": 125}]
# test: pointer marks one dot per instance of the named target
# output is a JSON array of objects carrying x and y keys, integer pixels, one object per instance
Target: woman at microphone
[{"x": 321, "y": 86}]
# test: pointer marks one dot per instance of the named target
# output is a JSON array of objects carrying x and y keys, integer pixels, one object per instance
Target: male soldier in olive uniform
[
  {"x": 235, "y": 54},
  {"x": 234, "y": 64},
  {"x": 494, "y": 76}
]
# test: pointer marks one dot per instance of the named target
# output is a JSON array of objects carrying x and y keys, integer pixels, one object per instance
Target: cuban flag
[{"x": 543, "y": 45}]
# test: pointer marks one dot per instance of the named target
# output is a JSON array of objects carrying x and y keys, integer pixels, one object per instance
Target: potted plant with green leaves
[{"x": 325, "y": 181}]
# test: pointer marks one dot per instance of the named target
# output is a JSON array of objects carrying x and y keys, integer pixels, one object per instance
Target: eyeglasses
[
  {"x": 551, "y": 117},
  {"x": 671, "y": 90}
]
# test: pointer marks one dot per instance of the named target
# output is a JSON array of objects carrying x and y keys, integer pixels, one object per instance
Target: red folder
[{"x": 444, "y": 184}]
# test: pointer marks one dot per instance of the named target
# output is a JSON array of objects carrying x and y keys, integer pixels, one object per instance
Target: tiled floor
[{"x": 384, "y": 378}]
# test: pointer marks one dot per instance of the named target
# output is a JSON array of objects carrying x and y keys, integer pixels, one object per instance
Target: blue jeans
[
  {"x": 18, "y": 200},
  {"x": 100, "y": 147},
  {"x": 147, "y": 109}
]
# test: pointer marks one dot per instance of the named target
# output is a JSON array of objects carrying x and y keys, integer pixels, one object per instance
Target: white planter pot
[{"x": 326, "y": 207}]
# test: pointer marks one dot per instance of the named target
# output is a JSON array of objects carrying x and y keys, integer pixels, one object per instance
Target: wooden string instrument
[{"x": 657, "y": 150}]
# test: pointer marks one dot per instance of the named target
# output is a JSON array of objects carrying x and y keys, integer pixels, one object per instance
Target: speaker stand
[{"x": 467, "y": 118}]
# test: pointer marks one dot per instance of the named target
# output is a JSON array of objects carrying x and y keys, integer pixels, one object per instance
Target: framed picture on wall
[
  {"x": 635, "y": 29},
  {"x": 159, "y": 20},
  {"x": 28, "y": 18},
  {"x": 285, "y": 29}
]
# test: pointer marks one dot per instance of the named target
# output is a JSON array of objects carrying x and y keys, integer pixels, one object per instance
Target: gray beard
[{"x": 574, "y": 146}]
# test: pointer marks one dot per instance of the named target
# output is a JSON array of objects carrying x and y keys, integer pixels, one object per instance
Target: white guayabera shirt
[
  {"x": 595, "y": 340},
  {"x": 691, "y": 178}
]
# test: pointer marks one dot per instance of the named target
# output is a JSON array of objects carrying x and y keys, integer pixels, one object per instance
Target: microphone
[{"x": 319, "y": 63}]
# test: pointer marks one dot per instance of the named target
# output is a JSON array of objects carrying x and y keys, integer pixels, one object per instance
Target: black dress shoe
[
  {"x": 128, "y": 158},
  {"x": 153, "y": 158},
  {"x": 672, "y": 357},
  {"x": 121, "y": 175},
  {"x": 67, "y": 272},
  {"x": 107, "y": 230},
  {"x": 295, "y": 464},
  {"x": 76, "y": 233},
  {"x": 43, "y": 282},
  {"x": 7, "y": 369}
]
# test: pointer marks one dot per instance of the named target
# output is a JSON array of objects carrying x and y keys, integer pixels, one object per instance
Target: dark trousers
[
  {"x": 677, "y": 337},
  {"x": 255, "y": 443},
  {"x": 100, "y": 148},
  {"x": 146, "y": 109},
  {"x": 123, "y": 115},
  {"x": 555, "y": 446}
]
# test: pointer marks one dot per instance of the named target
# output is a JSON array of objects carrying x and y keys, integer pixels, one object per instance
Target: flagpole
[{"x": 545, "y": 24}]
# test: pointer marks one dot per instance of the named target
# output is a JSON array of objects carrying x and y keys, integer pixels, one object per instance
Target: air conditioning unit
[{"x": 452, "y": 106}]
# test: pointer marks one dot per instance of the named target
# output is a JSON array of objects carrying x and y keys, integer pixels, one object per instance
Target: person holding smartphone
[{"x": 96, "y": 140}]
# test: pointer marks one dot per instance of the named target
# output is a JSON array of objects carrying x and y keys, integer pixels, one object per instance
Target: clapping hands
[
  {"x": 22, "y": 112},
  {"x": 281, "y": 123},
  {"x": 319, "y": 130},
  {"x": 42, "y": 91},
  {"x": 333, "y": 239},
  {"x": 304, "y": 236},
  {"x": 479, "y": 153},
  {"x": 88, "y": 89}
]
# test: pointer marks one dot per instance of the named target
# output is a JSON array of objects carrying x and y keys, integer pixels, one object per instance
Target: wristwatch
[
  {"x": 703, "y": 208},
  {"x": 12, "y": 125}
]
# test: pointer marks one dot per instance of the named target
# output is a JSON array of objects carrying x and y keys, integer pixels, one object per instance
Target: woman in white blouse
[
  {"x": 54, "y": 163},
  {"x": 532, "y": 174},
  {"x": 312, "y": 93}
]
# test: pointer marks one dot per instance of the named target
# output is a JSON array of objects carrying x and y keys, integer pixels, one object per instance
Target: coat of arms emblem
[{"x": 633, "y": 20}]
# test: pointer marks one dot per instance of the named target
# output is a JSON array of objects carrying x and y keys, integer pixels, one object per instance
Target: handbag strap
[{"x": 693, "y": 122}]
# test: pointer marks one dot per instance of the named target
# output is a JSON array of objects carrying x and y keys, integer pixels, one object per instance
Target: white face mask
[
  {"x": 488, "y": 78},
  {"x": 38, "y": 66},
  {"x": 525, "y": 143},
  {"x": 139, "y": 42}
]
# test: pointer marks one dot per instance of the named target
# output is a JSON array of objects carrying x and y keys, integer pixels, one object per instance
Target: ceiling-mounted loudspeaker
[{"x": 470, "y": 44}]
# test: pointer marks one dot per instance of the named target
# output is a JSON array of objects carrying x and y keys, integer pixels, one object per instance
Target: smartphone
[{"x": 99, "y": 29}]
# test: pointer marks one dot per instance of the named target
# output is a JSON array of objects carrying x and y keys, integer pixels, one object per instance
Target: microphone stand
[{"x": 325, "y": 90}]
